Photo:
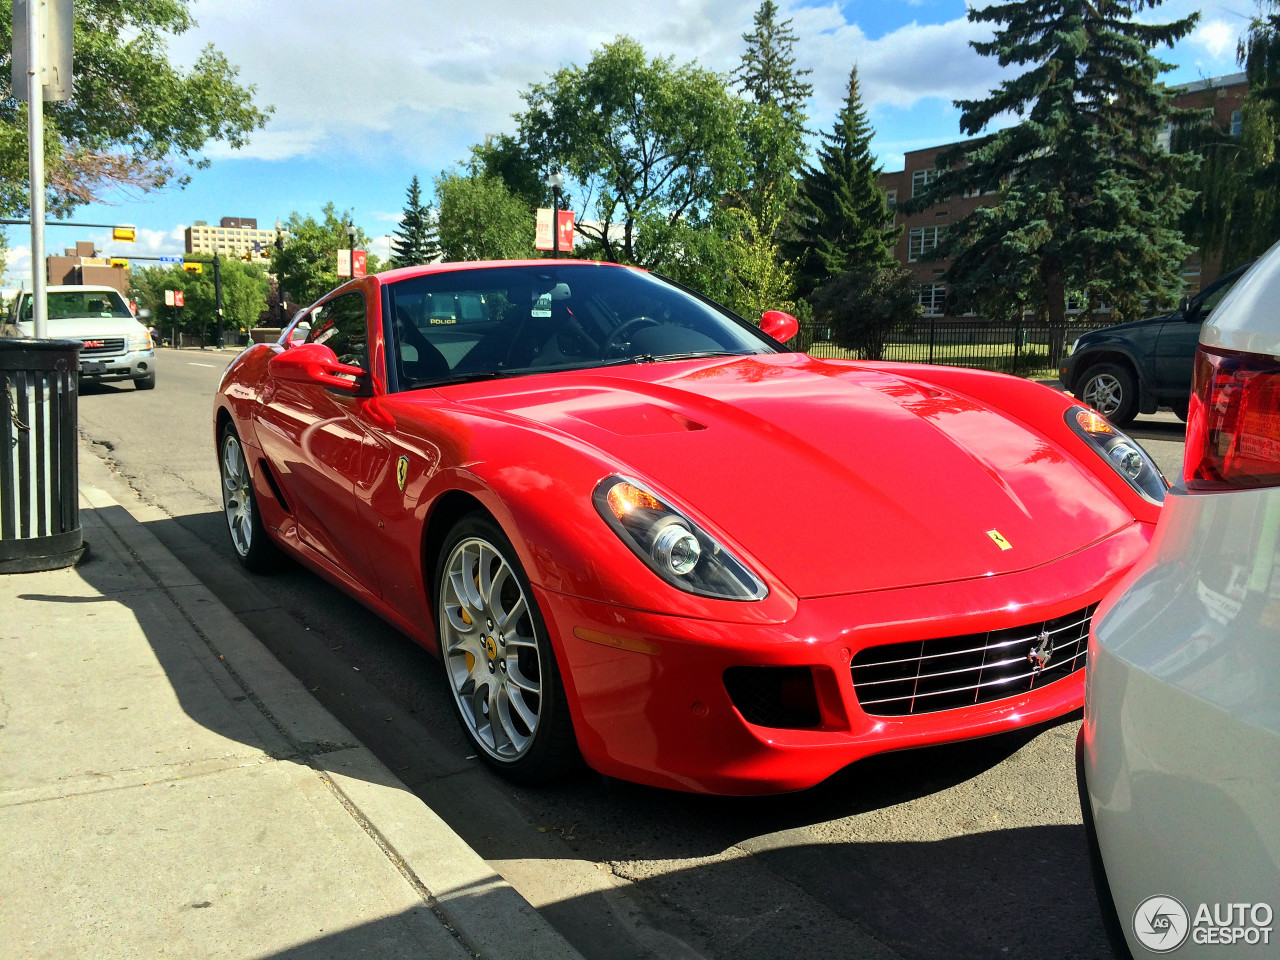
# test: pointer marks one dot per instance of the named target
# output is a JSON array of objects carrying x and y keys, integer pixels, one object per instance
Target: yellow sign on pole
[
  {"x": 193, "y": 267},
  {"x": 120, "y": 262},
  {"x": 127, "y": 234}
]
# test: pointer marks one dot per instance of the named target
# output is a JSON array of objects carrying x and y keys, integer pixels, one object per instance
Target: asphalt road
[{"x": 970, "y": 851}]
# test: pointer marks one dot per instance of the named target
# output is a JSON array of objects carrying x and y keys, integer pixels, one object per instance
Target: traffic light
[
  {"x": 127, "y": 234},
  {"x": 121, "y": 262},
  {"x": 193, "y": 267}
]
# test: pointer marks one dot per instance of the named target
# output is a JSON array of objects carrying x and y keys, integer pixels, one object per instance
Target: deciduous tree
[
  {"x": 480, "y": 219},
  {"x": 307, "y": 267},
  {"x": 136, "y": 120}
]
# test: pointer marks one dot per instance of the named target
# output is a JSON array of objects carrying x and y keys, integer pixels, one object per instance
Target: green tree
[
  {"x": 768, "y": 70},
  {"x": 135, "y": 118},
  {"x": 307, "y": 267},
  {"x": 1088, "y": 201},
  {"x": 480, "y": 219},
  {"x": 244, "y": 294},
  {"x": 416, "y": 241},
  {"x": 654, "y": 147},
  {"x": 861, "y": 307},
  {"x": 1236, "y": 210},
  {"x": 841, "y": 223}
]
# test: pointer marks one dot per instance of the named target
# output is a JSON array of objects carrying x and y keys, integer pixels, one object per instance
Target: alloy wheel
[
  {"x": 237, "y": 497},
  {"x": 1104, "y": 393},
  {"x": 490, "y": 649}
]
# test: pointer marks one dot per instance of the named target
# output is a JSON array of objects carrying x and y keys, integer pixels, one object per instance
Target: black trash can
[{"x": 39, "y": 465}]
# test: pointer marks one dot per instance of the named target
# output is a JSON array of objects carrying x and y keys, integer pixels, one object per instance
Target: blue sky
[{"x": 364, "y": 102}]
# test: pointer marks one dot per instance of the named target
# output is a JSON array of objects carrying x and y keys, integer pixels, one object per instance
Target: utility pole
[
  {"x": 217, "y": 300},
  {"x": 43, "y": 71}
]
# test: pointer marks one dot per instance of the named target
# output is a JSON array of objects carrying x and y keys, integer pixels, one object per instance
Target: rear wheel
[
  {"x": 1112, "y": 390},
  {"x": 248, "y": 536},
  {"x": 497, "y": 659}
]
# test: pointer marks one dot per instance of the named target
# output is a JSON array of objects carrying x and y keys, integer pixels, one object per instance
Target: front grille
[
  {"x": 943, "y": 673},
  {"x": 102, "y": 346}
]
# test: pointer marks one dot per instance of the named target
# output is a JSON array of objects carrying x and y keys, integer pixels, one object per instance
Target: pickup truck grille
[{"x": 102, "y": 347}]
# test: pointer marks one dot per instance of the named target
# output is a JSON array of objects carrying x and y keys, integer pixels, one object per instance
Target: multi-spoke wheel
[
  {"x": 248, "y": 537},
  {"x": 1112, "y": 391},
  {"x": 497, "y": 659}
]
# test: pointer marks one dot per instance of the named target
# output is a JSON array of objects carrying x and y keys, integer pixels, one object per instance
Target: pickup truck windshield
[{"x": 81, "y": 303}]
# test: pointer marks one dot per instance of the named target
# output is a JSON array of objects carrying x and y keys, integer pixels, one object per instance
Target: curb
[{"x": 467, "y": 896}]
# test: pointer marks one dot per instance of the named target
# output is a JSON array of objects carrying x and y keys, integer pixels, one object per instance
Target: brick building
[
  {"x": 82, "y": 265},
  {"x": 921, "y": 231}
]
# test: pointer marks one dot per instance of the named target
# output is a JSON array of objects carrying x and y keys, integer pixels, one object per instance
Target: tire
[
  {"x": 1180, "y": 409},
  {"x": 240, "y": 506},
  {"x": 498, "y": 661},
  {"x": 1112, "y": 390},
  {"x": 146, "y": 383}
]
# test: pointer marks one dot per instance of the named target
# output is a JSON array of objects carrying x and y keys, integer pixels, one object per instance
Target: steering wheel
[{"x": 616, "y": 338}]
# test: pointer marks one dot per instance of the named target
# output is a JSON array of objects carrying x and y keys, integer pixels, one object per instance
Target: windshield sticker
[{"x": 542, "y": 306}]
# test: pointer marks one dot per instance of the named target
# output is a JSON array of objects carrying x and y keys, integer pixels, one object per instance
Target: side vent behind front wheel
[{"x": 275, "y": 487}]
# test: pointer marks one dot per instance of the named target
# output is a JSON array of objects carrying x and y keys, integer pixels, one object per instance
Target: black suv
[{"x": 1134, "y": 368}]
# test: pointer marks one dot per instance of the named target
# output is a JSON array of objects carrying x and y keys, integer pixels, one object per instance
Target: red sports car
[{"x": 640, "y": 530}]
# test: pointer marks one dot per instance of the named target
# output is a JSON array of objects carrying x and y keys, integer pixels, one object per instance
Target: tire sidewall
[{"x": 263, "y": 554}]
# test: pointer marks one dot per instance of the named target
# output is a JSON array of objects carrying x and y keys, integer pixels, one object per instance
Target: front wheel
[
  {"x": 248, "y": 536},
  {"x": 145, "y": 383},
  {"x": 1112, "y": 390},
  {"x": 497, "y": 658}
]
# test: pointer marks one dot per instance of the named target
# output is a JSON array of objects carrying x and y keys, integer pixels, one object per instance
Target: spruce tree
[
  {"x": 768, "y": 70},
  {"x": 416, "y": 241},
  {"x": 841, "y": 221},
  {"x": 1088, "y": 201}
]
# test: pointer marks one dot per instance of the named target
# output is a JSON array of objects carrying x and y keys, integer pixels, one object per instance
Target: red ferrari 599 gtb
[{"x": 639, "y": 529}]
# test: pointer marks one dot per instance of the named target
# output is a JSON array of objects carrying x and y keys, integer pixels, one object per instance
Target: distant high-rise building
[{"x": 234, "y": 237}]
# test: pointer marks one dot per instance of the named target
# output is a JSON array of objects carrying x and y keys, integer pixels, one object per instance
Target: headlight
[
  {"x": 140, "y": 341},
  {"x": 1072, "y": 349},
  {"x": 1124, "y": 454},
  {"x": 672, "y": 545}
]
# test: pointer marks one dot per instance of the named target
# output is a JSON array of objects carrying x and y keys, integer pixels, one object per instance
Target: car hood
[
  {"x": 1124, "y": 329},
  {"x": 834, "y": 477}
]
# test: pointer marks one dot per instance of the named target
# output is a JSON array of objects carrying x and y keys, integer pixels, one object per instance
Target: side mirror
[
  {"x": 315, "y": 363},
  {"x": 1185, "y": 308},
  {"x": 781, "y": 326}
]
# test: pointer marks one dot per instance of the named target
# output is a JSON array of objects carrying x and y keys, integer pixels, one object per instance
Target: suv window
[{"x": 340, "y": 323}]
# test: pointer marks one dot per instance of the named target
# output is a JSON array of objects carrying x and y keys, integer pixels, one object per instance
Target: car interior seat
[{"x": 418, "y": 357}]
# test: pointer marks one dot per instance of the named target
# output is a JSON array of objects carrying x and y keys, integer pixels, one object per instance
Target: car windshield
[
  {"x": 499, "y": 321},
  {"x": 81, "y": 303}
]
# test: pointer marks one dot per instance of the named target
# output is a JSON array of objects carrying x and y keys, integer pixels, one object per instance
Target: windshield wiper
[{"x": 660, "y": 357}]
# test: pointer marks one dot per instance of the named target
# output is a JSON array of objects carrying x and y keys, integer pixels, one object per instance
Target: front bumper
[
  {"x": 650, "y": 702},
  {"x": 128, "y": 366}
]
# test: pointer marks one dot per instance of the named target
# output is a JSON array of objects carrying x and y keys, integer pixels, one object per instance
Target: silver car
[{"x": 1179, "y": 754}]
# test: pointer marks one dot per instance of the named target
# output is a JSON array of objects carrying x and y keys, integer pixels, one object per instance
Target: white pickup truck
[{"x": 116, "y": 345}]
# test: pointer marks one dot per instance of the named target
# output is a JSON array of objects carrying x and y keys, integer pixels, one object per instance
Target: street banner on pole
[
  {"x": 360, "y": 261},
  {"x": 344, "y": 263},
  {"x": 566, "y": 230},
  {"x": 168, "y": 298},
  {"x": 542, "y": 237},
  {"x": 179, "y": 298}
]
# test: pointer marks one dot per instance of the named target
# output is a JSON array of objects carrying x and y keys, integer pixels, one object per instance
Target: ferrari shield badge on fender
[
  {"x": 996, "y": 537},
  {"x": 402, "y": 470}
]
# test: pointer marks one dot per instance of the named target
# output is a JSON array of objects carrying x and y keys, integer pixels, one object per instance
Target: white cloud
[
  {"x": 417, "y": 79},
  {"x": 1217, "y": 37}
]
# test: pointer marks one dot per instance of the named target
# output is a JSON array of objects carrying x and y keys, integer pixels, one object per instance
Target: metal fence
[{"x": 1019, "y": 347}]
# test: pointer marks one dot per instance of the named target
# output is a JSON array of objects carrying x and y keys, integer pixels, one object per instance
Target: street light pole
[
  {"x": 351, "y": 253},
  {"x": 556, "y": 183},
  {"x": 217, "y": 300},
  {"x": 35, "y": 140}
]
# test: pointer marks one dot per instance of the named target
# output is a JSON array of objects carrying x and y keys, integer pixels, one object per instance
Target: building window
[
  {"x": 891, "y": 199},
  {"x": 922, "y": 239},
  {"x": 933, "y": 298},
  {"x": 1237, "y": 122},
  {"x": 1165, "y": 137},
  {"x": 921, "y": 179}
]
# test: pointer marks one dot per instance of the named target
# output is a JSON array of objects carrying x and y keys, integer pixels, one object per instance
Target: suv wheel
[
  {"x": 146, "y": 383},
  {"x": 1112, "y": 390}
]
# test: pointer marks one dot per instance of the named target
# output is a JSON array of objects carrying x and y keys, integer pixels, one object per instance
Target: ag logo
[
  {"x": 402, "y": 470},
  {"x": 998, "y": 539},
  {"x": 1160, "y": 923}
]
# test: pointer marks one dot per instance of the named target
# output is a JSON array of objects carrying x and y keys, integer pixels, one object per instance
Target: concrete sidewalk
[{"x": 168, "y": 789}]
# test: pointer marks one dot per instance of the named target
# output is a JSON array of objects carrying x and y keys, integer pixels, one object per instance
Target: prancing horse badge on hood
[{"x": 402, "y": 470}]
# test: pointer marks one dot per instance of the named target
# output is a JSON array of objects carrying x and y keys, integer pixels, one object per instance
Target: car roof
[
  {"x": 85, "y": 287},
  {"x": 403, "y": 273}
]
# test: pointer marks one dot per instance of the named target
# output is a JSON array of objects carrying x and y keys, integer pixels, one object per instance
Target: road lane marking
[{"x": 192, "y": 363}]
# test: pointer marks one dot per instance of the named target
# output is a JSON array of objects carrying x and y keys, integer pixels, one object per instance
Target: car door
[
  {"x": 313, "y": 437},
  {"x": 1179, "y": 336}
]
